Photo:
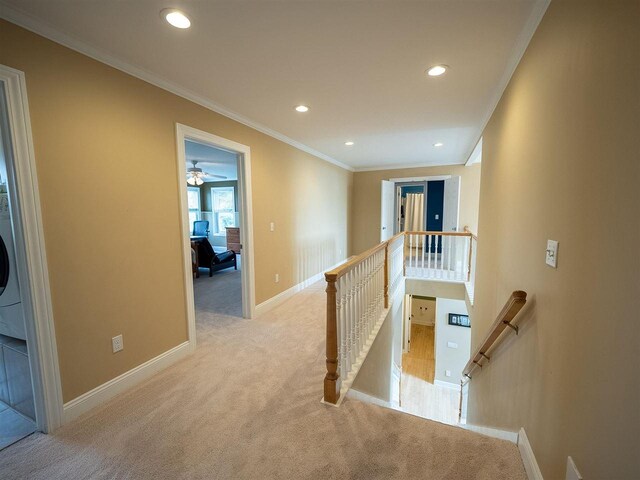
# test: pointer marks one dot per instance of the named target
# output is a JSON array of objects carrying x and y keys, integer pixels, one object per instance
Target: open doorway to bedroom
[
  {"x": 215, "y": 186},
  {"x": 214, "y": 227}
]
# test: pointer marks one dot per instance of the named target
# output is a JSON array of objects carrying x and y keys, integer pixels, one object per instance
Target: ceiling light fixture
[
  {"x": 195, "y": 175},
  {"x": 349, "y": 143},
  {"x": 176, "y": 18},
  {"x": 302, "y": 108},
  {"x": 439, "y": 144},
  {"x": 437, "y": 70}
]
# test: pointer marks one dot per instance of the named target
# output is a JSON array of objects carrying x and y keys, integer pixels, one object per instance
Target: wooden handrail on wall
[{"x": 507, "y": 314}]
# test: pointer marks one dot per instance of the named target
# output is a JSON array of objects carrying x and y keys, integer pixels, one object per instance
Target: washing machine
[{"x": 11, "y": 313}]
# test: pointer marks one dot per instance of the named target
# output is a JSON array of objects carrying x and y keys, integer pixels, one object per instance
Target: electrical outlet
[
  {"x": 447, "y": 373},
  {"x": 117, "y": 343},
  {"x": 277, "y": 277},
  {"x": 452, "y": 345}
]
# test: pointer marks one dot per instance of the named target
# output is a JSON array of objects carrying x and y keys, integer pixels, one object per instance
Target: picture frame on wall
[{"x": 459, "y": 320}]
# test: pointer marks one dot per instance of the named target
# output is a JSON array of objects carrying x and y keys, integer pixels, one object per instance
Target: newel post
[{"x": 331, "y": 391}]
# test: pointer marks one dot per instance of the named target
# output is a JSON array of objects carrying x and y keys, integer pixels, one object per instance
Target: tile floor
[{"x": 13, "y": 426}]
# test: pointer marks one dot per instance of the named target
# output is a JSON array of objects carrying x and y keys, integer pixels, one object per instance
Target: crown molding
[
  {"x": 476, "y": 155},
  {"x": 405, "y": 166},
  {"x": 43, "y": 29},
  {"x": 535, "y": 17}
]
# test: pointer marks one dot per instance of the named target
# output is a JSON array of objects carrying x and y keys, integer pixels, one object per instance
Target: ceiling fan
[{"x": 195, "y": 175}]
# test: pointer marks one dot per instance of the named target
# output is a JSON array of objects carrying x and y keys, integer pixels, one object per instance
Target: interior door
[
  {"x": 435, "y": 204},
  {"x": 451, "y": 204},
  {"x": 387, "y": 207}
]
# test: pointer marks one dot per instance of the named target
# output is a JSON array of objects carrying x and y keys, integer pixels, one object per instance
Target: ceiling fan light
[
  {"x": 199, "y": 181},
  {"x": 191, "y": 180}
]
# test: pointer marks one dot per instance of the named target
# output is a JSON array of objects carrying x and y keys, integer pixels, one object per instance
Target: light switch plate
[
  {"x": 452, "y": 345},
  {"x": 272, "y": 226},
  {"x": 552, "y": 253}
]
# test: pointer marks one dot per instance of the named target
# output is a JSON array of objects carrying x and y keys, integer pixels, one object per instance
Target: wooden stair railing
[
  {"x": 359, "y": 291},
  {"x": 356, "y": 295},
  {"x": 438, "y": 255}
]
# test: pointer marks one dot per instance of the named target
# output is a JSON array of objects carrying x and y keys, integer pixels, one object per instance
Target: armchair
[{"x": 208, "y": 258}]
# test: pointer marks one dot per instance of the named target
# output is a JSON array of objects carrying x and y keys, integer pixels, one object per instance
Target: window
[
  {"x": 224, "y": 208},
  {"x": 193, "y": 201}
]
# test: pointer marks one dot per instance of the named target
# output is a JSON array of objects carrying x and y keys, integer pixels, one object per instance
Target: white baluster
[
  {"x": 352, "y": 316},
  {"x": 342, "y": 357},
  {"x": 421, "y": 244},
  {"x": 429, "y": 255},
  {"x": 451, "y": 238}
]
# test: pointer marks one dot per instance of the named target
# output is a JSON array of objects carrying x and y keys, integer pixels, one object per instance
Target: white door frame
[
  {"x": 31, "y": 257},
  {"x": 247, "y": 273}
]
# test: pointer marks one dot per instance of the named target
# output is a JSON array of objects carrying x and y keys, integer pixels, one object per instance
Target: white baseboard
[
  {"x": 452, "y": 386},
  {"x": 528, "y": 458},
  {"x": 115, "y": 386},
  {"x": 273, "y": 302},
  {"x": 493, "y": 432},
  {"x": 364, "y": 397}
]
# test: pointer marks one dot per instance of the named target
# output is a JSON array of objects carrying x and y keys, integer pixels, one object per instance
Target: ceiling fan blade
[{"x": 207, "y": 174}]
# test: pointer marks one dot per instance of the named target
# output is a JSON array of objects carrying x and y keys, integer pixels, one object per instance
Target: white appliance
[{"x": 11, "y": 314}]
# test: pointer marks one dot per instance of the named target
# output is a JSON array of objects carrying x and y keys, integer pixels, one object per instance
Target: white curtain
[{"x": 414, "y": 212}]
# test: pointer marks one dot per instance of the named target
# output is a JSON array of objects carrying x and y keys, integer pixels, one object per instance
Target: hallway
[
  {"x": 419, "y": 395},
  {"x": 246, "y": 404}
]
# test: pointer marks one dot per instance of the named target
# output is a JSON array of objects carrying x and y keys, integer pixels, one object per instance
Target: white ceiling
[
  {"x": 358, "y": 65},
  {"x": 212, "y": 160}
]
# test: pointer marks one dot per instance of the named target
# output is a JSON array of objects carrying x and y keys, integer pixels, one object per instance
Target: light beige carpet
[{"x": 246, "y": 405}]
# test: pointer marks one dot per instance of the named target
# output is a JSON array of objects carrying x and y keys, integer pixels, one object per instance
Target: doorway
[
  {"x": 434, "y": 354},
  {"x": 30, "y": 392},
  {"x": 214, "y": 227},
  {"x": 215, "y": 187},
  {"x": 419, "y": 204}
]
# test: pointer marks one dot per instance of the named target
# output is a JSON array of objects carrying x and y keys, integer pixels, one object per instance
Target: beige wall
[
  {"x": 423, "y": 310},
  {"x": 113, "y": 241},
  {"x": 561, "y": 162},
  {"x": 448, "y": 358},
  {"x": 366, "y": 199}
]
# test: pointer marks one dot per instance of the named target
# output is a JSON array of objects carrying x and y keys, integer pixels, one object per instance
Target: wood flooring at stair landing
[{"x": 246, "y": 405}]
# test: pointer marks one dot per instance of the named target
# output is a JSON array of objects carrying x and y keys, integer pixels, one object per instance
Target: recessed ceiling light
[
  {"x": 438, "y": 144},
  {"x": 302, "y": 108},
  {"x": 437, "y": 70},
  {"x": 349, "y": 143},
  {"x": 175, "y": 18}
]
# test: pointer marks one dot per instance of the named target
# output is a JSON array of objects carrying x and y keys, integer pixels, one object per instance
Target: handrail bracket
[{"x": 514, "y": 327}]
